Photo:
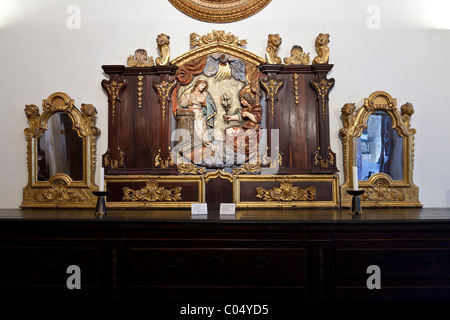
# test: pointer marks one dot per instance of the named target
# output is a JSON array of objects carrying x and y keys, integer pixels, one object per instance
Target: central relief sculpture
[{"x": 218, "y": 113}]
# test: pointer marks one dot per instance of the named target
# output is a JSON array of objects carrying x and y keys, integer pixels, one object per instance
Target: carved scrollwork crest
[
  {"x": 59, "y": 191},
  {"x": 382, "y": 190},
  {"x": 216, "y": 36},
  {"x": 140, "y": 59},
  {"x": 297, "y": 56}
]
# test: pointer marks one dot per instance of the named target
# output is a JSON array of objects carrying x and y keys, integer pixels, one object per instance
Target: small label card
[
  {"x": 227, "y": 208},
  {"x": 199, "y": 208}
]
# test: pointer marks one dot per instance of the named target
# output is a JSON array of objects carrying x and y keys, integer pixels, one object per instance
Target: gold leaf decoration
[
  {"x": 217, "y": 36},
  {"x": 140, "y": 59},
  {"x": 322, "y": 49},
  {"x": 152, "y": 193},
  {"x": 381, "y": 190},
  {"x": 59, "y": 191},
  {"x": 273, "y": 44},
  {"x": 286, "y": 192},
  {"x": 189, "y": 168},
  {"x": 297, "y": 56},
  {"x": 219, "y": 11},
  {"x": 163, "y": 42}
]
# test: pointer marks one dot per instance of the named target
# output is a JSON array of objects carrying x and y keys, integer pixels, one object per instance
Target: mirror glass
[
  {"x": 60, "y": 149},
  {"x": 379, "y": 148}
]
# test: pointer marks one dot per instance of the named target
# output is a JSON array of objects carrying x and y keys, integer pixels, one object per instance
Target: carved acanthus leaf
[
  {"x": 286, "y": 192},
  {"x": 152, "y": 193},
  {"x": 216, "y": 37}
]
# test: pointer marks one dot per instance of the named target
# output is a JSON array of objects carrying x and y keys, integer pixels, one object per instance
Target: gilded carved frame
[
  {"x": 380, "y": 189},
  {"x": 60, "y": 190},
  {"x": 219, "y": 11}
]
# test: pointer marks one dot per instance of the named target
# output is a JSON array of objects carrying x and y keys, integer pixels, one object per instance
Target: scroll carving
[
  {"x": 382, "y": 190},
  {"x": 60, "y": 191},
  {"x": 152, "y": 193},
  {"x": 160, "y": 163},
  {"x": 189, "y": 168},
  {"x": 273, "y": 44},
  {"x": 216, "y": 36},
  {"x": 163, "y": 42},
  {"x": 322, "y": 49},
  {"x": 254, "y": 167},
  {"x": 324, "y": 162},
  {"x": 110, "y": 162},
  {"x": 286, "y": 192}
]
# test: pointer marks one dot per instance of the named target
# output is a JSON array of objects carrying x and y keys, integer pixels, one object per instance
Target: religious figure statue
[
  {"x": 198, "y": 101},
  {"x": 244, "y": 140}
]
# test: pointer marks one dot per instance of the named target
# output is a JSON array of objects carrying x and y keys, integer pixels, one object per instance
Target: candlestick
[
  {"x": 356, "y": 201},
  {"x": 100, "y": 208},
  {"x": 101, "y": 184},
  {"x": 355, "y": 178}
]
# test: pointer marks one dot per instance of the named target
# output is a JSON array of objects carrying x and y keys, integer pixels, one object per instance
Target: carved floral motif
[
  {"x": 152, "y": 193},
  {"x": 286, "y": 192},
  {"x": 140, "y": 59},
  {"x": 59, "y": 191}
]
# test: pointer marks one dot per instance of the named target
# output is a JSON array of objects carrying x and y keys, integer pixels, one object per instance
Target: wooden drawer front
[
  {"x": 258, "y": 191},
  {"x": 218, "y": 266},
  {"x": 408, "y": 263},
  {"x": 29, "y": 265}
]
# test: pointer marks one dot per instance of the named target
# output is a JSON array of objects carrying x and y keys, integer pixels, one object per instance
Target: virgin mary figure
[{"x": 200, "y": 102}]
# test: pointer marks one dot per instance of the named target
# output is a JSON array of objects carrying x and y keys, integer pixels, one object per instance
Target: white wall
[{"x": 407, "y": 57}]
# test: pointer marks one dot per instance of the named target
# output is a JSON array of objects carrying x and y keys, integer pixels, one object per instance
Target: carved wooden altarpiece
[{"x": 153, "y": 158}]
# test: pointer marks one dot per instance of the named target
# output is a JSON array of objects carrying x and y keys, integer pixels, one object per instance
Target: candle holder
[
  {"x": 356, "y": 202},
  {"x": 100, "y": 209}
]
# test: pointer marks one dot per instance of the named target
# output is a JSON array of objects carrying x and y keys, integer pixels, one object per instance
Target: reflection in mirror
[
  {"x": 60, "y": 149},
  {"x": 61, "y": 154},
  {"x": 378, "y": 140},
  {"x": 379, "y": 148}
]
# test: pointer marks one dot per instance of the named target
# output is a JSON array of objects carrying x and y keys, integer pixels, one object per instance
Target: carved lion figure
[
  {"x": 273, "y": 43},
  {"x": 163, "y": 42},
  {"x": 323, "y": 52}
]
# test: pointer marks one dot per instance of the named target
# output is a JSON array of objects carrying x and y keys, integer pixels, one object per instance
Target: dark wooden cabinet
[{"x": 259, "y": 255}]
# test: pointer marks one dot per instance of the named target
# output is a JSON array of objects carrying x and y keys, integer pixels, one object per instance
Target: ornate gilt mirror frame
[
  {"x": 61, "y": 189},
  {"x": 381, "y": 190}
]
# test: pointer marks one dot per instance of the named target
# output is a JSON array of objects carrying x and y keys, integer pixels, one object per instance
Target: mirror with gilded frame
[
  {"x": 61, "y": 154},
  {"x": 378, "y": 140}
]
